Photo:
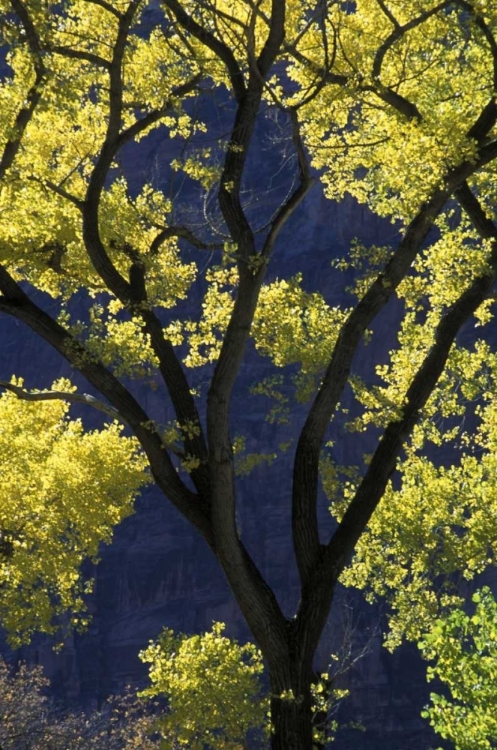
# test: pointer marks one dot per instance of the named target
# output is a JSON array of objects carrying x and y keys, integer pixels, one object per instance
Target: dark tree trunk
[
  {"x": 291, "y": 719},
  {"x": 291, "y": 703}
]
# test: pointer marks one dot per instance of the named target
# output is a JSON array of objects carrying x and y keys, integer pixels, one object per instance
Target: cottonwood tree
[{"x": 388, "y": 100}]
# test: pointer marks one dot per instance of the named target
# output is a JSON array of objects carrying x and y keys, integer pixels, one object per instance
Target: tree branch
[
  {"x": 33, "y": 96},
  {"x": 76, "y": 398},
  {"x": 107, "y": 6},
  {"x": 274, "y": 39},
  {"x": 76, "y": 54},
  {"x": 318, "y": 589},
  {"x": 132, "y": 295},
  {"x": 297, "y": 196},
  {"x": 220, "y": 49},
  {"x": 470, "y": 203},
  {"x": 183, "y": 233},
  {"x": 384, "y": 460},
  {"x": 306, "y": 464},
  {"x": 488, "y": 117},
  {"x": 399, "y": 32},
  {"x": 61, "y": 192},
  {"x": 16, "y": 303}
]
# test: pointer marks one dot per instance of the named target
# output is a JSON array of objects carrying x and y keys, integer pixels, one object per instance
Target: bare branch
[
  {"x": 183, "y": 233},
  {"x": 294, "y": 200},
  {"x": 76, "y": 398}
]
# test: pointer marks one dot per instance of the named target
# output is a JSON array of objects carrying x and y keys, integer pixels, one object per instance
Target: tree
[
  {"x": 464, "y": 648},
  {"x": 30, "y": 721},
  {"x": 390, "y": 101}
]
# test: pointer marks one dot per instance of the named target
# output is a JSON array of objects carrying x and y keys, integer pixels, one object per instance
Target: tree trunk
[{"x": 291, "y": 717}]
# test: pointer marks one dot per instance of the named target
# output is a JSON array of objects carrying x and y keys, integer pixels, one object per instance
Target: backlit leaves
[{"x": 62, "y": 492}]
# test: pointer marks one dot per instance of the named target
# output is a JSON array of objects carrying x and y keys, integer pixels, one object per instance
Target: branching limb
[
  {"x": 132, "y": 292},
  {"x": 384, "y": 460},
  {"x": 33, "y": 96},
  {"x": 16, "y": 303},
  {"x": 306, "y": 464},
  {"x": 318, "y": 589},
  {"x": 258, "y": 603},
  {"x": 400, "y": 31},
  {"x": 220, "y": 49}
]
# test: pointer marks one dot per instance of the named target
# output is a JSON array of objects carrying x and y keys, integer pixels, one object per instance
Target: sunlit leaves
[
  {"x": 440, "y": 71},
  {"x": 62, "y": 492},
  {"x": 212, "y": 686},
  {"x": 463, "y": 648}
]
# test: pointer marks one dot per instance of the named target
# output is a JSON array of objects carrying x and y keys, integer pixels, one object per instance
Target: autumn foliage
[{"x": 387, "y": 101}]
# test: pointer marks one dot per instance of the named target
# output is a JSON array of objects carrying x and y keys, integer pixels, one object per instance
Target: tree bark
[{"x": 291, "y": 713}]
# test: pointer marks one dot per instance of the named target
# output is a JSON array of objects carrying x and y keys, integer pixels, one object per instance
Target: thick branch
[
  {"x": 488, "y": 117},
  {"x": 306, "y": 464},
  {"x": 318, "y": 589},
  {"x": 275, "y": 38},
  {"x": 316, "y": 597},
  {"x": 16, "y": 303},
  {"x": 220, "y": 49},
  {"x": 470, "y": 203},
  {"x": 34, "y": 94},
  {"x": 257, "y": 601}
]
